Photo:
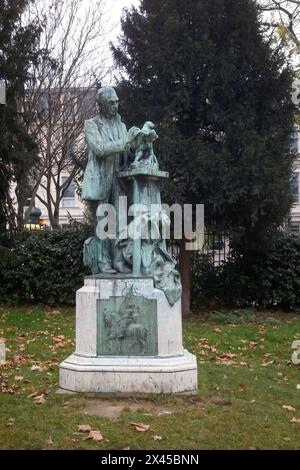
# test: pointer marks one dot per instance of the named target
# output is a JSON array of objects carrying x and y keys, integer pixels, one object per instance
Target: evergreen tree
[
  {"x": 221, "y": 95},
  {"x": 18, "y": 50}
]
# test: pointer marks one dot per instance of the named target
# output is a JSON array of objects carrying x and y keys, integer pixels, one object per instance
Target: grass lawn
[{"x": 249, "y": 391}]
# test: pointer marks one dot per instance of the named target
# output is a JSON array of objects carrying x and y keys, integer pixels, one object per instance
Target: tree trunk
[
  {"x": 20, "y": 202},
  {"x": 184, "y": 268},
  {"x": 55, "y": 220}
]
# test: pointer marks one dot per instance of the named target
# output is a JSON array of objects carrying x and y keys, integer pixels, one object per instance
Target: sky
[
  {"x": 116, "y": 12},
  {"x": 109, "y": 30},
  {"x": 114, "y": 15}
]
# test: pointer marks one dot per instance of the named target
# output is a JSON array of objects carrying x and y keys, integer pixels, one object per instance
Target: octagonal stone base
[
  {"x": 129, "y": 375},
  {"x": 150, "y": 359}
]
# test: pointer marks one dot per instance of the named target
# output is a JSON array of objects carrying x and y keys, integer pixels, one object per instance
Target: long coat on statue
[{"x": 105, "y": 139}]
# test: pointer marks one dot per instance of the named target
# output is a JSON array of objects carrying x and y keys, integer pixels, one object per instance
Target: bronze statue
[{"x": 107, "y": 138}]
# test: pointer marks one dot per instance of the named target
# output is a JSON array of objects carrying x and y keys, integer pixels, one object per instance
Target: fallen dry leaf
[
  {"x": 298, "y": 386},
  {"x": 202, "y": 353},
  {"x": 95, "y": 436},
  {"x": 38, "y": 368},
  {"x": 55, "y": 312},
  {"x": 242, "y": 388},
  {"x": 165, "y": 412},
  {"x": 295, "y": 420},
  {"x": 11, "y": 422},
  {"x": 58, "y": 338},
  {"x": 40, "y": 400},
  {"x": 19, "y": 378},
  {"x": 49, "y": 441},
  {"x": 84, "y": 428},
  {"x": 226, "y": 362},
  {"x": 22, "y": 359},
  {"x": 140, "y": 427},
  {"x": 228, "y": 355},
  {"x": 288, "y": 408},
  {"x": 265, "y": 364}
]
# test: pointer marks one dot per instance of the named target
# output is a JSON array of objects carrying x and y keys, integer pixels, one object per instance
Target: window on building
[
  {"x": 68, "y": 148},
  {"x": 295, "y": 228},
  {"x": 68, "y": 199},
  {"x": 43, "y": 106},
  {"x": 68, "y": 110},
  {"x": 86, "y": 103},
  {"x": 295, "y": 188},
  {"x": 295, "y": 141}
]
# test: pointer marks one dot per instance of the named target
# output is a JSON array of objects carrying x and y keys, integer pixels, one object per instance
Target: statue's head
[{"x": 108, "y": 101}]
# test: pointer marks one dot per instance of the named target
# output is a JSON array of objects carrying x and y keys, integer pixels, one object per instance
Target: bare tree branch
[
  {"x": 62, "y": 92},
  {"x": 283, "y": 16}
]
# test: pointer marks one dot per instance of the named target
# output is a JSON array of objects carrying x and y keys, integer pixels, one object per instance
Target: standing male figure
[{"x": 106, "y": 137}]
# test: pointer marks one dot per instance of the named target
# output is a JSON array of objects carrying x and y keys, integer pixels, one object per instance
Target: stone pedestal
[
  {"x": 144, "y": 190},
  {"x": 128, "y": 340}
]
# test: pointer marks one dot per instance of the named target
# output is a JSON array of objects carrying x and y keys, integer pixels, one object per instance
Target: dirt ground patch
[{"x": 113, "y": 409}]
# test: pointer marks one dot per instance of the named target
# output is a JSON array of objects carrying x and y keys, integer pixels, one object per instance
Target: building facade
[
  {"x": 295, "y": 211},
  {"x": 71, "y": 205},
  {"x": 58, "y": 131}
]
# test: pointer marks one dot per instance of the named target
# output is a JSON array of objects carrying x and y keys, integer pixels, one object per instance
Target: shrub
[
  {"x": 47, "y": 267},
  {"x": 269, "y": 278},
  {"x": 44, "y": 266}
]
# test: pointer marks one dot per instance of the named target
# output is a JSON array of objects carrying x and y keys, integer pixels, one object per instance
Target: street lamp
[{"x": 2, "y": 92}]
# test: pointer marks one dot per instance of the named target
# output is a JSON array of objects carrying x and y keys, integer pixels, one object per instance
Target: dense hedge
[
  {"x": 44, "y": 267},
  {"x": 270, "y": 278},
  {"x": 47, "y": 267}
]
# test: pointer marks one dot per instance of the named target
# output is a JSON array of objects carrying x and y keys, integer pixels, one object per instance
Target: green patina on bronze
[
  {"x": 145, "y": 249},
  {"x": 127, "y": 326},
  {"x": 122, "y": 163}
]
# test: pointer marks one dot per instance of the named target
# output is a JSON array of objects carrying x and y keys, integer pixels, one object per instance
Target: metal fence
[{"x": 215, "y": 245}]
